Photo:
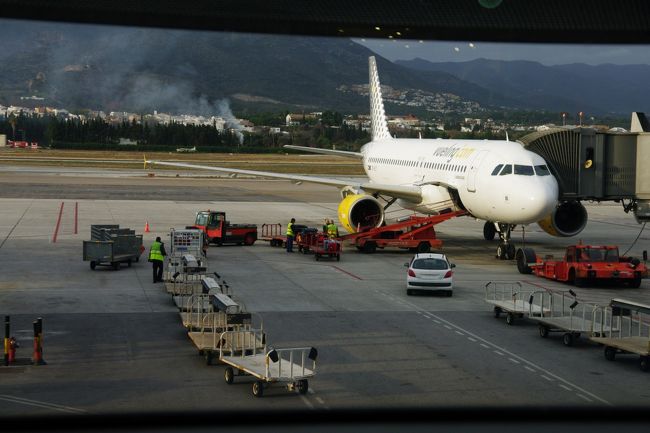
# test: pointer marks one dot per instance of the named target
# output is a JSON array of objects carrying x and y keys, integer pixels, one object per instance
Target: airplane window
[
  {"x": 542, "y": 170},
  {"x": 524, "y": 170},
  {"x": 507, "y": 169},
  {"x": 497, "y": 169}
]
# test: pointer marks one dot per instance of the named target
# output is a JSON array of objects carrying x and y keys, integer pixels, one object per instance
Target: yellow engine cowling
[
  {"x": 358, "y": 212},
  {"x": 568, "y": 219}
]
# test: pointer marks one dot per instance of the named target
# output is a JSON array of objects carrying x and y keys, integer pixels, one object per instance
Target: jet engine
[
  {"x": 360, "y": 211},
  {"x": 568, "y": 219}
]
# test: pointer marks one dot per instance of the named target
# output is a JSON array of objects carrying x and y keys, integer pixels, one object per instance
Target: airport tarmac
[{"x": 114, "y": 341}]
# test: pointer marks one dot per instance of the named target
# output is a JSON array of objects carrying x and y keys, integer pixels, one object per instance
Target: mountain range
[
  {"x": 142, "y": 69},
  {"x": 601, "y": 89}
]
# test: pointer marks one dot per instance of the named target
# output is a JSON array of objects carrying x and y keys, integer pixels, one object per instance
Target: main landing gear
[{"x": 505, "y": 248}]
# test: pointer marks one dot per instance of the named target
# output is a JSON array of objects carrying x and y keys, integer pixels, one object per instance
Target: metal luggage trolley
[
  {"x": 562, "y": 313},
  {"x": 510, "y": 298},
  {"x": 208, "y": 286},
  {"x": 228, "y": 316},
  {"x": 109, "y": 245},
  {"x": 291, "y": 366},
  {"x": 623, "y": 327}
]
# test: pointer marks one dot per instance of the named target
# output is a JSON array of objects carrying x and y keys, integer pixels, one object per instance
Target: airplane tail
[{"x": 378, "y": 123}]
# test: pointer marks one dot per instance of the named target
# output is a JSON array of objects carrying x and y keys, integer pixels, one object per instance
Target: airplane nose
[{"x": 540, "y": 199}]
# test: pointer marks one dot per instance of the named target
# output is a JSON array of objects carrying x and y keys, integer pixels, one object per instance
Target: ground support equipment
[
  {"x": 414, "y": 233},
  {"x": 311, "y": 241},
  {"x": 623, "y": 327},
  {"x": 209, "y": 339},
  {"x": 293, "y": 366},
  {"x": 562, "y": 313},
  {"x": 274, "y": 235},
  {"x": 510, "y": 298},
  {"x": 109, "y": 245}
]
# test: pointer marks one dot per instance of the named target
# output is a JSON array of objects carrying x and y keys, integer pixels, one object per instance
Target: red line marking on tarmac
[
  {"x": 76, "y": 215},
  {"x": 346, "y": 272},
  {"x": 58, "y": 224}
]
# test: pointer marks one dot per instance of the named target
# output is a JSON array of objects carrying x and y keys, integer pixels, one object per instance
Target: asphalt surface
[{"x": 114, "y": 342}]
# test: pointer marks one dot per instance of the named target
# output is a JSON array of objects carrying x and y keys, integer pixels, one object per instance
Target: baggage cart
[
  {"x": 510, "y": 298},
  {"x": 273, "y": 234},
  {"x": 623, "y": 327},
  {"x": 243, "y": 357},
  {"x": 110, "y": 246},
  {"x": 208, "y": 340},
  {"x": 562, "y": 313},
  {"x": 311, "y": 241}
]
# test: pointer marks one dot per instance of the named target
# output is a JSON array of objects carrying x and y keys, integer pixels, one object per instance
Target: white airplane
[{"x": 494, "y": 180}]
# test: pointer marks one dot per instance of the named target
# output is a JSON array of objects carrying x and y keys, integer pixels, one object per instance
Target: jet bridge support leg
[{"x": 505, "y": 249}]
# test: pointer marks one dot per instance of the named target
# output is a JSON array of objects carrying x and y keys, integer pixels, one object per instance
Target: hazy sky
[{"x": 547, "y": 54}]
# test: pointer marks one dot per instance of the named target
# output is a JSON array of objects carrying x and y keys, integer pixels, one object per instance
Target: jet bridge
[{"x": 590, "y": 164}]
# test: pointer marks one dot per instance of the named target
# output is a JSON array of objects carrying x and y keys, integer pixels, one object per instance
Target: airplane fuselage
[{"x": 455, "y": 173}]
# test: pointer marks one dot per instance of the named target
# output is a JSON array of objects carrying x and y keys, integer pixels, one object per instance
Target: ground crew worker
[
  {"x": 332, "y": 230},
  {"x": 290, "y": 235},
  {"x": 157, "y": 255}
]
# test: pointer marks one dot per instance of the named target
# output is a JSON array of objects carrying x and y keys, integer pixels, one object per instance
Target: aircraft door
[{"x": 473, "y": 170}]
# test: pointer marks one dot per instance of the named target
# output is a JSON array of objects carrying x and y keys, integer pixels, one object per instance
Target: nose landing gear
[{"x": 505, "y": 248}]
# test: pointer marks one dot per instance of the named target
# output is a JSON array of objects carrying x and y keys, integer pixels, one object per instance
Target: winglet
[{"x": 378, "y": 124}]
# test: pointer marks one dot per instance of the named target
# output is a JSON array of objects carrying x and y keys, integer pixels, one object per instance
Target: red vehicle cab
[
  {"x": 220, "y": 231},
  {"x": 584, "y": 265}
]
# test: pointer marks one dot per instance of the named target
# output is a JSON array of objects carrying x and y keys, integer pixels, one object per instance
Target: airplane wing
[
  {"x": 343, "y": 153},
  {"x": 407, "y": 192}
]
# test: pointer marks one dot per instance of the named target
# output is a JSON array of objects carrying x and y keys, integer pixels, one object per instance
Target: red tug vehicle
[
  {"x": 584, "y": 265},
  {"x": 220, "y": 231}
]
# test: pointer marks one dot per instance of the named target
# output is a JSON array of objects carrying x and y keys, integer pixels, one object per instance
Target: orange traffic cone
[{"x": 146, "y": 227}]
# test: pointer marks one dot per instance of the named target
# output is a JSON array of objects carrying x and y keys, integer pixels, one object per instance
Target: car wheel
[
  {"x": 543, "y": 331},
  {"x": 497, "y": 312},
  {"x": 610, "y": 353},
  {"x": 644, "y": 363},
  {"x": 93, "y": 265},
  {"x": 409, "y": 292},
  {"x": 510, "y": 319},
  {"x": 568, "y": 339},
  {"x": 258, "y": 388},
  {"x": 303, "y": 386},
  {"x": 229, "y": 375},
  {"x": 424, "y": 247}
]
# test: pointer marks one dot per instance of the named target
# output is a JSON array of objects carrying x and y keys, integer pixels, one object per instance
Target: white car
[{"x": 431, "y": 272}]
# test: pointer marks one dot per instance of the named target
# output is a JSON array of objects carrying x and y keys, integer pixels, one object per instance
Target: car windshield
[
  {"x": 599, "y": 255},
  {"x": 430, "y": 264},
  {"x": 202, "y": 219},
  {"x": 114, "y": 136}
]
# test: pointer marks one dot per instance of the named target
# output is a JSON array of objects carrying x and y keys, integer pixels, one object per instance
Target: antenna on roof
[
  {"x": 507, "y": 139},
  {"x": 420, "y": 135}
]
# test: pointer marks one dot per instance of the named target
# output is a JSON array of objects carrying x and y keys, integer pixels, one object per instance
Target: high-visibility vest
[
  {"x": 331, "y": 230},
  {"x": 155, "y": 253},
  {"x": 290, "y": 229}
]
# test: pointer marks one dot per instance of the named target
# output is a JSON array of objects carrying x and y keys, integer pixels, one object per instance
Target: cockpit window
[
  {"x": 524, "y": 170},
  {"x": 507, "y": 169},
  {"x": 497, "y": 169},
  {"x": 542, "y": 170}
]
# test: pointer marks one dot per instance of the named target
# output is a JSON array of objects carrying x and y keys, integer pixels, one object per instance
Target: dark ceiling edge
[{"x": 577, "y": 21}]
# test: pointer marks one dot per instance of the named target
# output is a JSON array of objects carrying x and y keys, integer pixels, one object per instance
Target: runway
[{"x": 114, "y": 342}]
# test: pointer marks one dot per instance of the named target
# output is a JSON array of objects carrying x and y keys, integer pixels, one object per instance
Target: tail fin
[{"x": 378, "y": 124}]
